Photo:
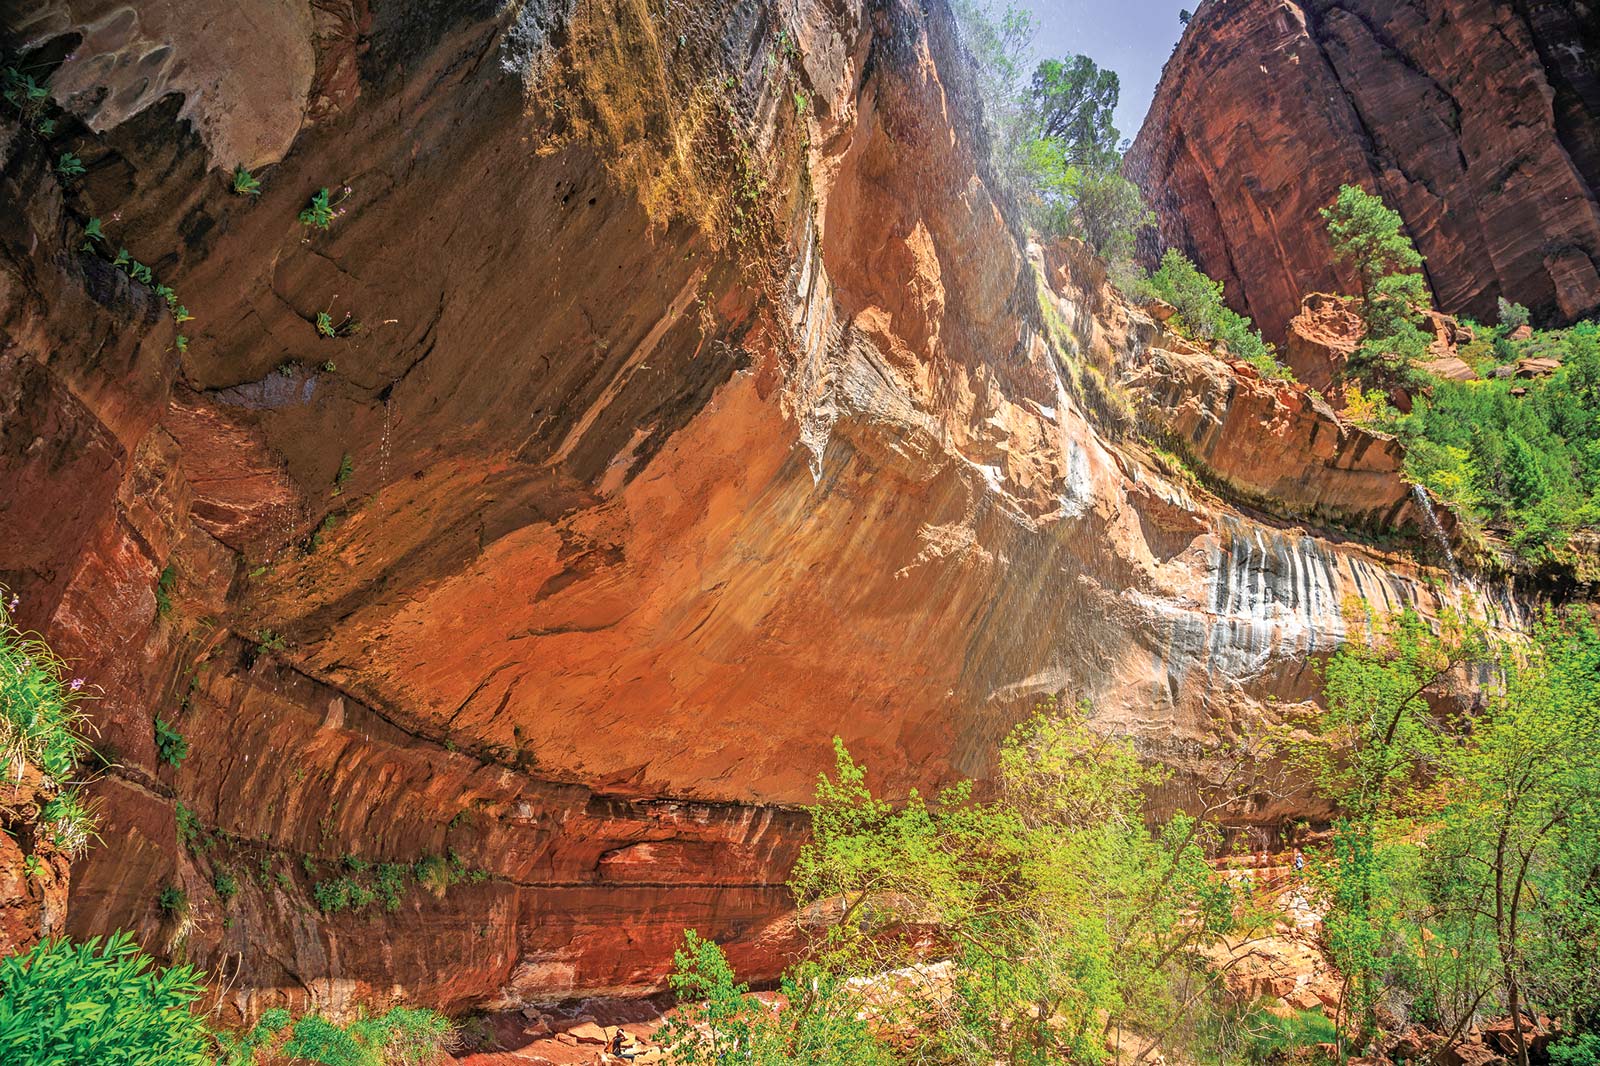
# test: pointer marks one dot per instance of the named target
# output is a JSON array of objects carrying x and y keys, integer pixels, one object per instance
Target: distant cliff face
[
  {"x": 1478, "y": 120},
  {"x": 706, "y": 406}
]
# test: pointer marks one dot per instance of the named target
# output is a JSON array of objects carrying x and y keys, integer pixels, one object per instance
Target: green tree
[
  {"x": 999, "y": 39},
  {"x": 1524, "y": 789},
  {"x": 1051, "y": 138},
  {"x": 1513, "y": 316},
  {"x": 1066, "y": 916},
  {"x": 96, "y": 1002},
  {"x": 1369, "y": 236},
  {"x": 1073, "y": 101},
  {"x": 1379, "y": 741}
]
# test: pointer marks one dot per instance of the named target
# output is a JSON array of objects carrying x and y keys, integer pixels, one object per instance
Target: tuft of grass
[
  {"x": 68, "y": 822},
  {"x": 164, "y": 584},
  {"x": 403, "y": 1035},
  {"x": 245, "y": 183},
  {"x": 347, "y": 467}
]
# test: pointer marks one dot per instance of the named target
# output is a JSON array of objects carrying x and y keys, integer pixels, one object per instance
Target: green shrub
[
  {"x": 434, "y": 874},
  {"x": 191, "y": 833},
  {"x": 1513, "y": 316},
  {"x": 39, "y": 720},
  {"x": 1580, "y": 1050},
  {"x": 390, "y": 884},
  {"x": 62, "y": 1002},
  {"x": 68, "y": 822},
  {"x": 347, "y": 467},
  {"x": 1202, "y": 315},
  {"x": 316, "y": 1039},
  {"x": 170, "y": 744},
  {"x": 245, "y": 183},
  {"x": 41, "y": 725},
  {"x": 403, "y": 1035},
  {"x": 274, "y": 1020},
  {"x": 333, "y": 896},
  {"x": 173, "y": 901},
  {"x": 225, "y": 884}
]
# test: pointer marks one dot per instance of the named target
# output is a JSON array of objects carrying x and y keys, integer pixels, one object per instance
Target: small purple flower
[
  {"x": 12, "y": 606},
  {"x": 77, "y": 683}
]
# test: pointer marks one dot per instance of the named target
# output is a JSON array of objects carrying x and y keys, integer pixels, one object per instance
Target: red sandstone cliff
[
  {"x": 690, "y": 426},
  {"x": 1478, "y": 120}
]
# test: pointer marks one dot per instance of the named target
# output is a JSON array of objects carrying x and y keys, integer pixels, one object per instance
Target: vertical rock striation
[{"x": 1478, "y": 120}]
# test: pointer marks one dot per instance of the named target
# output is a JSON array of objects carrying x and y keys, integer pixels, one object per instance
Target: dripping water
[
  {"x": 1430, "y": 519},
  {"x": 383, "y": 446}
]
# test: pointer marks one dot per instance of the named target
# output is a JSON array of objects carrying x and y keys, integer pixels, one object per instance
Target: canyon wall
[
  {"x": 1478, "y": 120},
  {"x": 708, "y": 403}
]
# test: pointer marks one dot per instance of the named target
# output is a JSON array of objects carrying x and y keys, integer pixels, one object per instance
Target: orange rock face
[
  {"x": 681, "y": 436},
  {"x": 1478, "y": 121}
]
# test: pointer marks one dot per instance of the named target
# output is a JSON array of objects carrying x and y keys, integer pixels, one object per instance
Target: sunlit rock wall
[
  {"x": 708, "y": 404},
  {"x": 1478, "y": 120}
]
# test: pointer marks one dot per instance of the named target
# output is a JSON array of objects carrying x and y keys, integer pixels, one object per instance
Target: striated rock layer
[
  {"x": 1478, "y": 120},
  {"x": 707, "y": 404}
]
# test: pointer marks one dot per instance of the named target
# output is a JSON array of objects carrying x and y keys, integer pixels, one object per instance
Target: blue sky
[{"x": 1132, "y": 37}]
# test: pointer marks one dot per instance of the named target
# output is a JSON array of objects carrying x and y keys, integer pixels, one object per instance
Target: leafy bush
[
  {"x": 274, "y": 1020},
  {"x": 717, "y": 1021},
  {"x": 62, "y": 1002},
  {"x": 40, "y": 723},
  {"x": 245, "y": 183},
  {"x": 164, "y": 585},
  {"x": 316, "y": 1039},
  {"x": 1061, "y": 906},
  {"x": 1580, "y": 1050},
  {"x": 173, "y": 901},
  {"x": 226, "y": 885},
  {"x": 170, "y": 744},
  {"x": 41, "y": 726},
  {"x": 191, "y": 833},
  {"x": 1203, "y": 316}
]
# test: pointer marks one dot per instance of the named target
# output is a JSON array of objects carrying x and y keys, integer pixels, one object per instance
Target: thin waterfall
[{"x": 1430, "y": 519}]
